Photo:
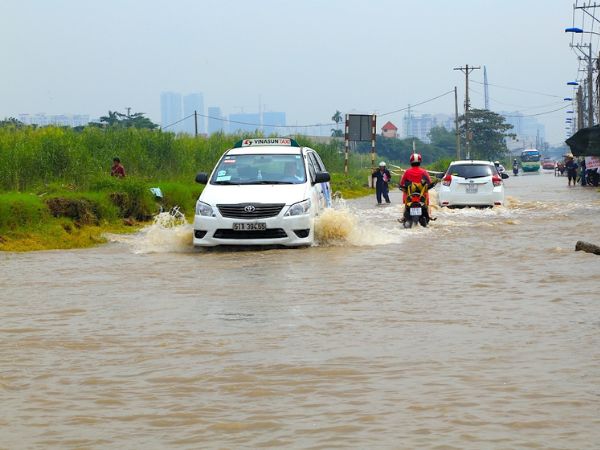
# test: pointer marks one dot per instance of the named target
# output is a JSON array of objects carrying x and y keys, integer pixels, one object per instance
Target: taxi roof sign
[{"x": 266, "y": 141}]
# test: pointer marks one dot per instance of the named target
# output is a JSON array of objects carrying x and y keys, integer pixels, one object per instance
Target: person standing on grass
[{"x": 117, "y": 169}]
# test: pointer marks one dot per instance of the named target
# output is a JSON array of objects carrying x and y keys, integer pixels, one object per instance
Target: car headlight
[
  {"x": 297, "y": 209},
  {"x": 204, "y": 209}
]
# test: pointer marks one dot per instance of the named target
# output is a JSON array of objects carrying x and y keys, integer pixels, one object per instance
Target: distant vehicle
[
  {"x": 530, "y": 160},
  {"x": 262, "y": 192},
  {"x": 471, "y": 183},
  {"x": 548, "y": 164}
]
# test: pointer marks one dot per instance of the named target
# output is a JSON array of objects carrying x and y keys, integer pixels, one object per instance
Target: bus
[{"x": 530, "y": 160}]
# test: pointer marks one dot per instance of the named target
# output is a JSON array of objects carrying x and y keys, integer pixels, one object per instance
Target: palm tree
[
  {"x": 111, "y": 119},
  {"x": 337, "y": 117}
]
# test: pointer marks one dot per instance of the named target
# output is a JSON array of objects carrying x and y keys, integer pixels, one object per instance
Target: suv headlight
[
  {"x": 297, "y": 209},
  {"x": 204, "y": 209}
]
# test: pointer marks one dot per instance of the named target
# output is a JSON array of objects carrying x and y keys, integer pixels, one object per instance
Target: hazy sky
[{"x": 305, "y": 57}]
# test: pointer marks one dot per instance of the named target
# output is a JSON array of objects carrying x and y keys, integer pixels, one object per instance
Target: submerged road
[{"x": 480, "y": 332}]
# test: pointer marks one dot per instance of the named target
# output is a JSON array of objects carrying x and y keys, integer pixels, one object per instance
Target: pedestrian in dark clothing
[
  {"x": 583, "y": 173},
  {"x": 383, "y": 177},
  {"x": 571, "y": 167},
  {"x": 117, "y": 170}
]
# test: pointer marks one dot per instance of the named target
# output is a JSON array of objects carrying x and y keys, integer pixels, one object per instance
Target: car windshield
[
  {"x": 260, "y": 169},
  {"x": 471, "y": 170},
  {"x": 530, "y": 156}
]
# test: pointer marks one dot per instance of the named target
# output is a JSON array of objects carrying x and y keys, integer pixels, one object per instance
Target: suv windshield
[
  {"x": 260, "y": 169},
  {"x": 470, "y": 170}
]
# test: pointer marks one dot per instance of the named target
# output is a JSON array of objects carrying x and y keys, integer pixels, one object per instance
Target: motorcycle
[{"x": 415, "y": 206}]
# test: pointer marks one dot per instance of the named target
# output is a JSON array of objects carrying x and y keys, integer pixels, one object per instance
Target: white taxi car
[
  {"x": 262, "y": 192},
  {"x": 471, "y": 183}
]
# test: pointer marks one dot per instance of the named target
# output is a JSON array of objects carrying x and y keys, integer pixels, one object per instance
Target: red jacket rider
[{"x": 415, "y": 175}]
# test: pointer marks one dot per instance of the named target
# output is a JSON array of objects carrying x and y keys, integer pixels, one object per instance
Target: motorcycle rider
[
  {"x": 499, "y": 167},
  {"x": 416, "y": 174},
  {"x": 515, "y": 166}
]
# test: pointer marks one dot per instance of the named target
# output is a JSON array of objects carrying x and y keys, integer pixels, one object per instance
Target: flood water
[{"x": 480, "y": 332}]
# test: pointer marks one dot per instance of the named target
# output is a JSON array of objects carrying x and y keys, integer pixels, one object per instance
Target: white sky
[{"x": 305, "y": 57}]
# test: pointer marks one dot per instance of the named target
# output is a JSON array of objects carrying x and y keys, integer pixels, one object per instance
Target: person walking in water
[
  {"x": 571, "y": 167},
  {"x": 117, "y": 169},
  {"x": 383, "y": 177}
]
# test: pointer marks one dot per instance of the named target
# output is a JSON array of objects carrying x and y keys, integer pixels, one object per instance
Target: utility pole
[
  {"x": 579, "y": 98},
  {"x": 467, "y": 70},
  {"x": 598, "y": 88},
  {"x": 128, "y": 108},
  {"x": 587, "y": 56},
  {"x": 590, "y": 88},
  {"x": 456, "y": 123},
  {"x": 195, "y": 123}
]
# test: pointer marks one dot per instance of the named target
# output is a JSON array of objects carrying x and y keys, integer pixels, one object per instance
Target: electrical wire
[
  {"x": 538, "y": 114},
  {"x": 519, "y": 90},
  {"x": 417, "y": 104},
  {"x": 525, "y": 108}
]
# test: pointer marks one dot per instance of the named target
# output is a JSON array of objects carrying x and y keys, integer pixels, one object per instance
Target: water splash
[
  {"x": 169, "y": 233},
  {"x": 341, "y": 226}
]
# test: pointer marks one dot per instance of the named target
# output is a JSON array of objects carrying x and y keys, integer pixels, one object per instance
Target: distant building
[
  {"x": 61, "y": 120},
  {"x": 215, "y": 120},
  {"x": 193, "y": 103},
  {"x": 272, "y": 120},
  {"x": 420, "y": 126},
  {"x": 244, "y": 122},
  {"x": 389, "y": 130},
  {"x": 530, "y": 132},
  {"x": 171, "y": 111}
]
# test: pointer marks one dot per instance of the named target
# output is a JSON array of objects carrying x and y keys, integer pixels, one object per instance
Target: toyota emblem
[{"x": 249, "y": 208}]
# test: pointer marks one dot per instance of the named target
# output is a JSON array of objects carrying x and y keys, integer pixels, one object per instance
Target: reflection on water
[{"x": 480, "y": 331}]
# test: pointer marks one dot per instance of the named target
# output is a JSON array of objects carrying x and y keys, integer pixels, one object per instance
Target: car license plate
[
  {"x": 249, "y": 226},
  {"x": 471, "y": 189},
  {"x": 415, "y": 211}
]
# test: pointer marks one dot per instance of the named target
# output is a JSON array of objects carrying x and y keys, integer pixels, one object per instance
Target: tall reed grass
[{"x": 34, "y": 157}]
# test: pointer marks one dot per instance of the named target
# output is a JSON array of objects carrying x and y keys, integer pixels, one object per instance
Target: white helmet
[
  {"x": 415, "y": 158},
  {"x": 382, "y": 164}
]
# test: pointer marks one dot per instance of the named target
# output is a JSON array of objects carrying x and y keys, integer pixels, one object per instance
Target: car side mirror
[
  {"x": 202, "y": 178},
  {"x": 322, "y": 177},
  {"x": 504, "y": 176}
]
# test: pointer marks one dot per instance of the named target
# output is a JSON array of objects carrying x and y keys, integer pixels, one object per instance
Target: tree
[
  {"x": 488, "y": 132},
  {"x": 11, "y": 122},
  {"x": 120, "y": 120},
  {"x": 336, "y": 133},
  {"x": 337, "y": 118},
  {"x": 111, "y": 120},
  {"x": 443, "y": 139}
]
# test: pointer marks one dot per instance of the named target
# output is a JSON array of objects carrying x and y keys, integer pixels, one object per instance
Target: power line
[
  {"x": 520, "y": 90},
  {"x": 175, "y": 123},
  {"x": 546, "y": 105},
  {"x": 417, "y": 104},
  {"x": 538, "y": 114}
]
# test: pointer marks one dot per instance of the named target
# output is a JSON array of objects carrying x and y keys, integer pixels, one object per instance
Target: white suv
[
  {"x": 471, "y": 183},
  {"x": 262, "y": 192}
]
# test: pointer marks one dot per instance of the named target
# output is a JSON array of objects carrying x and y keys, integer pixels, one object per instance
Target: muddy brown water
[{"x": 481, "y": 332}]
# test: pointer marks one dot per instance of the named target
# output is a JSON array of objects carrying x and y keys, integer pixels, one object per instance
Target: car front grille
[
  {"x": 251, "y": 210},
  {"x": 271, "y": 233}
]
